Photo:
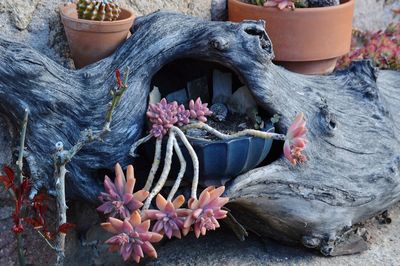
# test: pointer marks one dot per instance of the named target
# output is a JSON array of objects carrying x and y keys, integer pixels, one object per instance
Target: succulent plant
[
  {"x": 219, "y": 111},
  {"x": 163, "y": 116},
  {"x": 158, "y": 131},
  {"x": 101, "y": 10},
  {"x": 295, "y": 140},
  {"x": 183, "y": 115},
  {"x": 132, "y": 237},
  {"x": 281, "y": 4},
  {"x": 381, "y": 47},
  {"x": 257, "y": 2},
  {"x": 169, "y": 216},
  {"x": 120, "y": 199},
  {"x": 199, "y": 110},
  {"x": 301, "y": 3},
  {"x": 205, "y": 211}
]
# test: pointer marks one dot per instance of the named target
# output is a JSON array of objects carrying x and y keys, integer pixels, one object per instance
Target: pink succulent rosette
[
  {"x": 281, "y": 4},
  {"x": 205, "y": 211},
  {"x": 132, "y": 237},
  {"x": 169, "y": 217},
  {"x": 199, "y": 110},
  {"x": 295, "y": 140},
  {"x": 158, "y": 131},
  {"x": 163, "y": 116},
  {"x": 183, "y": 115},
  {"x": 119, "y": 199}
]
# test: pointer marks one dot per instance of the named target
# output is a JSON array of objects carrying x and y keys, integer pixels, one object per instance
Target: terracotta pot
[
  {"x": 305, "y": 40},
  {"x": 91, "y": 41}
]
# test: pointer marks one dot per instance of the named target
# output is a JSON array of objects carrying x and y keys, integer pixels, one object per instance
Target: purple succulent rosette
[
  {"x": 183, "y": 116},
  {"x": 163, "y": 116},
  {"x": 206, "y": 211},
  {"x": 199, "y": 110},
  {"x": 169, "y": 217},
  {"x": 119, "y": 199},
  {"x": 132, "y": 237}
]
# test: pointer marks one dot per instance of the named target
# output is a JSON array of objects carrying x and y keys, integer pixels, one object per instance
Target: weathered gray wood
[
  {"x": 219, "y": 10},
  {"x": 354, "y": 150},
  {"x": 354, "y": 157}
]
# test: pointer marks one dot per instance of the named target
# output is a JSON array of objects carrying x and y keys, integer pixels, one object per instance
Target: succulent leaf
[
  {"x": 119, "y": 199},
  {"x": 132, "y": 237}
]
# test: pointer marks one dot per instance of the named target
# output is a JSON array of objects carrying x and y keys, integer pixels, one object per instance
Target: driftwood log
[{"x": 354, "y": 125}]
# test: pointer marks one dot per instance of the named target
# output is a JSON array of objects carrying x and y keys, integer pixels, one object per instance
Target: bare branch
[
  {"x": 62, "y": 158},
  {"x": 20, "y": 165}
]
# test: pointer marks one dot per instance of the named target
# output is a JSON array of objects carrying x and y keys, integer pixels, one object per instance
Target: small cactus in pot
[{"x": 100, "y": 10}]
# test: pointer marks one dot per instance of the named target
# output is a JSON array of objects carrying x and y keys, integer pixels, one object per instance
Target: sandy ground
[{"x": 217, "y": 248}]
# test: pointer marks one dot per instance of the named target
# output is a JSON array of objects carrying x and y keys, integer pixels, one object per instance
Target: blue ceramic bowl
[{"x": 221, "y": 160}]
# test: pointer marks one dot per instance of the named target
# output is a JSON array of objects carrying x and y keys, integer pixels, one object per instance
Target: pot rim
[
  {"x": 64, "y": 7},
  {"x": 307, "y": 10}
]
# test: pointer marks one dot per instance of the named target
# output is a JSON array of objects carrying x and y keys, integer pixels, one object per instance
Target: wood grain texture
[{"x": 353, "y": 120}]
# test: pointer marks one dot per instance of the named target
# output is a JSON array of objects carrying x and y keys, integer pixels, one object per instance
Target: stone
[
  {"x": 191, "y": 7},
  {"x": 242, "y": 101},
  {"x": 220, "y": 112},
  {"x": 198, "y": 88},
  {"x": 21, "y": 12},
  {"x": 155, "y": 96},
  {"x": 222, "y": 86},
  {"x": 37, "y": 23},
  {"x": 43, "y": 31},
  {"x": 180, "y": 96}
]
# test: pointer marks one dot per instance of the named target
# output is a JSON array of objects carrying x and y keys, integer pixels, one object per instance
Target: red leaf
[
  {"x": 39, "y": 198},
  {"x": 17, "y": 228},
  {"x": 8, "y": 179},
  {"x": 48, "y": 235},
  {"x": 64, "y": 228},
  {"x": 25, "y": 186},
  {"x": 9, "y": 172},
  {"x": 118, "y": 76},
  {"x": 36, "y": 223}
]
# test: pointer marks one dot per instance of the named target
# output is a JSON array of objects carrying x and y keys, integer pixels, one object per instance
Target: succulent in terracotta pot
[
  {"x": 308, "y": 36},
  {"x": 95, "y": 29}
]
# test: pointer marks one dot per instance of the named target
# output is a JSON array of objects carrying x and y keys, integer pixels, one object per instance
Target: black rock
[{"x": 220, "y": 112}]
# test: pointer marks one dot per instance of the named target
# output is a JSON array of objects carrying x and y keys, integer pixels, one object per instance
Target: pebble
[{"x": 220, "y": 112}]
